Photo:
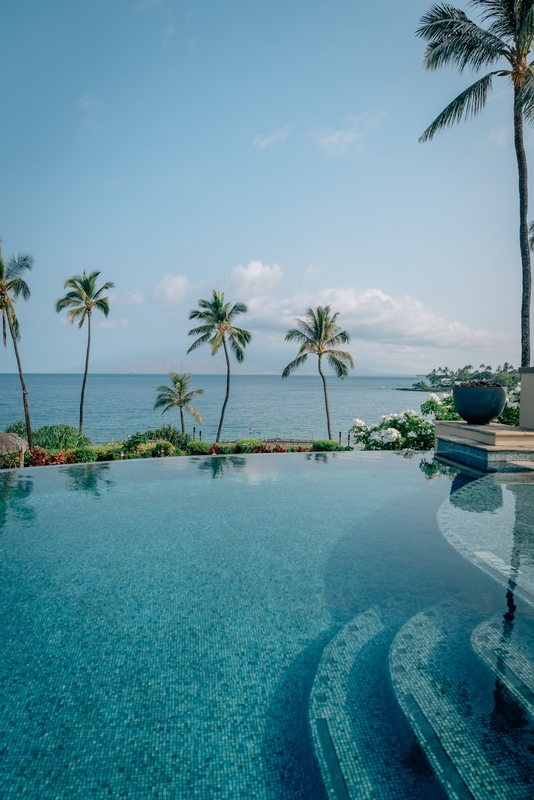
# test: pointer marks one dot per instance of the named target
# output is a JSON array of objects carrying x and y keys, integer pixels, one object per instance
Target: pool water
[{"x": 285, "y": 626}]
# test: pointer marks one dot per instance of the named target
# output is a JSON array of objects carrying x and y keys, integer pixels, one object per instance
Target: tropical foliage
[
  {"x": 82, "y": 298},
  {"x": 217, "y": 330},
  {"x": 52, "y": 437},
  {"x": 319, "y": 334},
  {"x": 508, "y": 37},
  {"x": 507, "y": 375},
  {"x": 13, "y": 286},
  {"x": 443, "y": 408},
  {"x": 178, "y": 396},
  {"x": 395, "y": 432}
]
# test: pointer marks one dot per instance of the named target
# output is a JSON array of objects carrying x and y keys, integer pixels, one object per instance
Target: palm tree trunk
[
  {"x": 24, "y": 390},
  {"x": 325, "y": 400},
  {"x": 182, "y": 418},
  {"x": 523, "y": 234},
  {"x": 86, "y": 368},
  {"x": 227, "y": 389}
]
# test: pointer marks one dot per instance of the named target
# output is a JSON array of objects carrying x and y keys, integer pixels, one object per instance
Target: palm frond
[
  {"x": 455, "y": 39},
  {"x": 199, "y": 342},
  {"x": 17, "y": 266},
  {"x": 103, "y": 305},
  {"x": 19, "y": 288},
  {"x": 77, "y": 314},
  {"x": 344, "y": 356},
  {"x": 197, "y": 416},
  {"x": 236, "y": 348},
  {"x": 469, "y": 103},
  {"x": 337, "y": 364},
  {"x": 525, "y": 96},
  {"x": 294, "y": 365}
]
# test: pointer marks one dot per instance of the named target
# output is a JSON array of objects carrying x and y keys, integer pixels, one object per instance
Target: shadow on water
[
  {"x": 15, "y": 492},
  {"x": 291, "y": 768},
  {"x": 89, "y": 478}
]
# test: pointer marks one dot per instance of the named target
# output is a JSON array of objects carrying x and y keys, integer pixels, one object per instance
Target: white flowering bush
[{"x": 394, "y": 432}]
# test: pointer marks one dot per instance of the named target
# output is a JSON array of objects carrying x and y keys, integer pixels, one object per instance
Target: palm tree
[
  {"x": 216, "y": 330},
  {"x": 455, "y": 39},
  {"x": 178, "y": 397},
  {"x": 319, "y": 335},
  {"x": 13, "y": 286},
  {"x": 82, "y": 299}
]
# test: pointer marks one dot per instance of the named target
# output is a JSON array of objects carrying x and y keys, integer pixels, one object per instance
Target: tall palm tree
[
  {"x": 319, "y": 334},
  {"x": 82, "y": 299},
  {"x": 217, "y": 330},
  {"x": 180, "y": 396},
  {"x": 13, "y": 286},
  {"x": 508, "y": 36}
]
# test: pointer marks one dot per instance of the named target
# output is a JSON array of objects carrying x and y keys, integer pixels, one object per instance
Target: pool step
[
  {"x": 508, "y": 650},
  {"x": 358, "y": 751},
  {"x": 449, "y": 708}
]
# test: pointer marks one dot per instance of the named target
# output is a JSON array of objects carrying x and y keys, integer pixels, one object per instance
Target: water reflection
[
  {"x": 515, "y": 548},
  {"x": 89, "y": 478},
  {"x": 217, "y": 464},
  {"x": 14, "y": 494}
]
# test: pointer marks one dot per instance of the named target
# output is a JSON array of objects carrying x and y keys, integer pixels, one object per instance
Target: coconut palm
[
  {"x": 82, "y": 299},
  {"x": 319, "y": 334},
  {"x": 13, "y": 286},
  {"x": 179, "y": 396},
  {"x": 508, "y": 37},
  {"x": 217, "y": 330}
]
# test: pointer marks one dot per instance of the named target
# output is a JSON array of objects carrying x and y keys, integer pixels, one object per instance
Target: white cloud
[
  {"x": 369, "y": 315},
  {"x": 312, "y": 272},
  {"x": 267, "y": 140},
  {"x": 113, "y": 323},
  {"x": 351, "y": 138},
  {"x": 90, "y": 105},
  {"x": 256, "y": 276},
  {"x": 171, "y": 289}
]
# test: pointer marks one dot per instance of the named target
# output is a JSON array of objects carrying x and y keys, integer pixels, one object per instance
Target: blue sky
[{"x": 266, "y": 149}]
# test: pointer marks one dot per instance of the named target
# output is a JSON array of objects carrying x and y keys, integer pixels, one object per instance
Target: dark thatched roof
[{"x": 11, "y": 443}]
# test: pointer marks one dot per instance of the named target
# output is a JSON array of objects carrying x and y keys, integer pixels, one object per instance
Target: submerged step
[
  {"x": 358, "y": 750},
  {"x": 508, "y": 650},
  {"x": 448, "y": 737},
  {"x": 341, "y": 757}
]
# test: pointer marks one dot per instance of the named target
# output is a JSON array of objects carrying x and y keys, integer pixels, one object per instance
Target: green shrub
[
  {"x": 168, "y": 449},
  {"x": 52, "y": 437},
  {"x": 9, "y": 460},
  {"x": 395, "y": 432},
  {"x": 18, "y": 427},
  {"x": 83, "y": 455},
  {"x": 170, "y": 434},
  {"x": 198, "y": 448},
  {"x": 226, "y": 449},
  {"x": 324, "y": 445},
  {"x": 178, "y": 452},
  {"x": 247, "y": 445},
  {"x": 132, "y": 444}
]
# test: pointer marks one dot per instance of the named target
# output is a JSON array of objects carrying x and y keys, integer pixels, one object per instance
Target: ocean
[{"x": 262, "y": 406}]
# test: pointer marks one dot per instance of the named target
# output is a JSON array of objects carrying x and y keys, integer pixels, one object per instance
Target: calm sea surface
[{"x": 260, "y": 405}]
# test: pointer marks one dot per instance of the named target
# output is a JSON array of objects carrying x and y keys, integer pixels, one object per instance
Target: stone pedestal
[
  {"x": 526, "y": 417},
  {"x": 491, "y": 448}
]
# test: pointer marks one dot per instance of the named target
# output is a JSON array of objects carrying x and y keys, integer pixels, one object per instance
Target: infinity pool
[{"x": 354, "y": 625}]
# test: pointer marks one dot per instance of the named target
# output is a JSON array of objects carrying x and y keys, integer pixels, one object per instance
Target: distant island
[{"x": 443, "y": 378}]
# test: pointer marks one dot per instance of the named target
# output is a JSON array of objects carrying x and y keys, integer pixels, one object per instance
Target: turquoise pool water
[{"x": 282, "y": 626}]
